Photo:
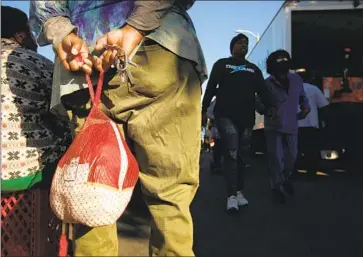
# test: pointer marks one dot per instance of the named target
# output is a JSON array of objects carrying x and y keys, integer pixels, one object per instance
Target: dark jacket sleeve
[
  {"x": 185, "y": 4},
  {"x": 211, "y": 89},
  {"x": 147, "y": 15}
]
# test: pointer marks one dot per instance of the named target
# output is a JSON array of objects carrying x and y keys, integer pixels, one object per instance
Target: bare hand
[
  {"x": 74, "y": 55},
  {"x": 127, "y": 38},
  {"x": 302, "y": 114},
  {"x": 271, "y": 113}
]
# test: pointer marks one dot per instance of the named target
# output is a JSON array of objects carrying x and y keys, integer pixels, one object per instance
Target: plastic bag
[{"x": 95, "y": 178}]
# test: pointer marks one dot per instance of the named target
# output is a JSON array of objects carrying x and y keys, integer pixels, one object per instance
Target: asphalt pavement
[{"x": 324, "y": 218}]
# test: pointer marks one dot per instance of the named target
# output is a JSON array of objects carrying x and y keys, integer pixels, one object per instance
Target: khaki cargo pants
[{"x": 159, "y": 111}]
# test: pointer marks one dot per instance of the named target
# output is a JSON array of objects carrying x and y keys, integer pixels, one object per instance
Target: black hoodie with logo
[{"x": 235, "y": 83}]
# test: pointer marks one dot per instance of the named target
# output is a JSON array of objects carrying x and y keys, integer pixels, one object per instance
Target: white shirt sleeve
[{"x": 320, "y": 99}]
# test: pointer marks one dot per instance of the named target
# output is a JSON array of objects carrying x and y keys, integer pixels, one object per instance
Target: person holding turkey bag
[{"x": 149, "y": 102}]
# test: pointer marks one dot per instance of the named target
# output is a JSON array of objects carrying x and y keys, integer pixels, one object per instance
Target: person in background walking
[
  {"x": 238, "y": 81},
  {"x": 281, "y": 129},
  {"x": 309, "y": 128}
]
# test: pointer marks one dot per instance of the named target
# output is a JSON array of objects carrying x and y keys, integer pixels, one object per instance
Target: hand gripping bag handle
[{"x": 94, "y": 98}]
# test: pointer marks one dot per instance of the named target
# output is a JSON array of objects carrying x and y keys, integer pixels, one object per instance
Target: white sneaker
[
  {"x": 232, "y": 204},
  {"x": 241, "y": 200}
]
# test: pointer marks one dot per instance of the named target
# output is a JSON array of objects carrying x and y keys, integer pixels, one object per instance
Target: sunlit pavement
[{"x": 325, "y": 218}]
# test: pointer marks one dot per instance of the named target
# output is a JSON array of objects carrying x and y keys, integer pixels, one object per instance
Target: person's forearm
[
  {"x": 42, "y": 11},
  {"x": 57, "y": 28},
  {"x": 302, "y": 114},
  {"x": 304, "y": 101},
  {"x": 211, "y": 89},
  {"x": 305, "y": 106},
  {"x": 147, "y": 15},
  {"x": 264, "y": 96},
  {"x": 262, "y": 90},
  {"x": 208, "y": 96},
  {"x": 259, "y": 106}
]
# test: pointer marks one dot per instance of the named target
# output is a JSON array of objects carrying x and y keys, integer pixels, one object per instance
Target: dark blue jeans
[{"x": 235, "y": 141}]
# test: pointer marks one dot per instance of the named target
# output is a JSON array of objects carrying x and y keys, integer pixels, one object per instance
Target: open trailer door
[{"x": 320, "y": 41}]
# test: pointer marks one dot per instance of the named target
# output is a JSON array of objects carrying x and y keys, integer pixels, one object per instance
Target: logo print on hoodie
[{"x": 239, "y": 68}]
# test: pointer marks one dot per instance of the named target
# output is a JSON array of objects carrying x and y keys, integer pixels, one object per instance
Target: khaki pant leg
[{"x": 162, "y": 109}]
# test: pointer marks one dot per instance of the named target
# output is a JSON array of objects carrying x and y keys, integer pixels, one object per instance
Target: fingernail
[{"x": 74, "y": 51}]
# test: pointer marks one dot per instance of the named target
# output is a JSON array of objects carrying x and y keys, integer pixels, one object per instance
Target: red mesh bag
[{"x": 95, "y": 178}]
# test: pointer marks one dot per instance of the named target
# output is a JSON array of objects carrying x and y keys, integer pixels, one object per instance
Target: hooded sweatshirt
[{"x": 238, "y": 81}]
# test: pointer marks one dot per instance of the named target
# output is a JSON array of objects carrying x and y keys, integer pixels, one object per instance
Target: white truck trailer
[{"x": 315, "y": 33}]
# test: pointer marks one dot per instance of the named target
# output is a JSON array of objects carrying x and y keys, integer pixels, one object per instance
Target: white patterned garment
[{"x": 27, "y": 140}]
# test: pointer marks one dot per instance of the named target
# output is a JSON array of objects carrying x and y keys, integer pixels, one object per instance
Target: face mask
[
  {"x": 282, "y": 69},
  {"x": 282, "y": 66}
]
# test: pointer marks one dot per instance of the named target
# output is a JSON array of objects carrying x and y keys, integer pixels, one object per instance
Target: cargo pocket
[{"x": 157, "y": 71}]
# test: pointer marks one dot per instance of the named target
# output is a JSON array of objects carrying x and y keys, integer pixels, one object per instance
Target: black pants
[
  {"x": 309, "y": 149},
  {"x": 235, "y": 141}
]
